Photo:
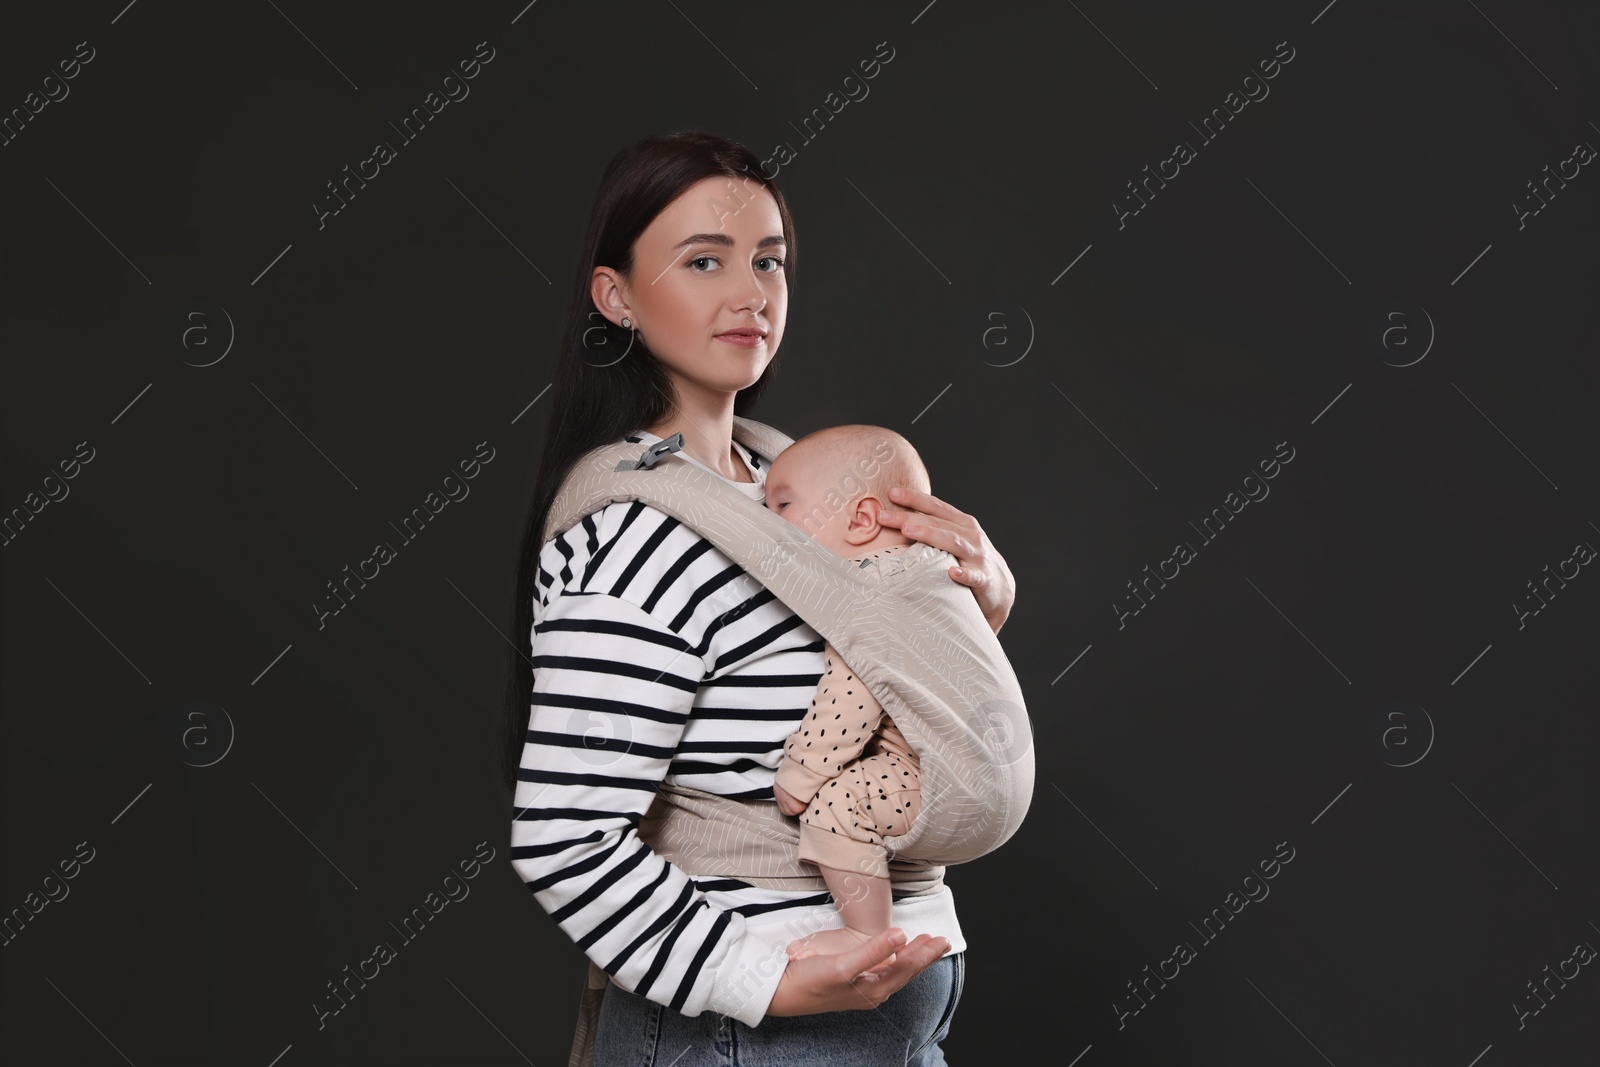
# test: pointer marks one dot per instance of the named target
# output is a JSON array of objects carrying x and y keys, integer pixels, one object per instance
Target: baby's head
[{"x": 834, "y": 482}]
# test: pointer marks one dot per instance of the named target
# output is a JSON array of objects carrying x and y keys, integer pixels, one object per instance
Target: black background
[{"x": 1245, "y": 706}]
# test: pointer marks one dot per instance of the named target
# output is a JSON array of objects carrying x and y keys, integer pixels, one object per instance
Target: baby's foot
[{"x": 829, "y": 942}]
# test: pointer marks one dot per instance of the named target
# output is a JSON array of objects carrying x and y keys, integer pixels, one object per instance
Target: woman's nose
[{"x": 752, "y": 295}]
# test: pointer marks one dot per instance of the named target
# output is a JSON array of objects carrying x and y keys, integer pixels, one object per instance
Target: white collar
[{"x": 756, "y": 490}]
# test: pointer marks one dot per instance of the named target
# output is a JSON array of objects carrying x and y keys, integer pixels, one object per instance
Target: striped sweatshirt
[{"x": 658, "y": 659}]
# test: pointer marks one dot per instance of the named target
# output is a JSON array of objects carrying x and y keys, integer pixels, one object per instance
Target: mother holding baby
[{"x": 646, "y": 672}]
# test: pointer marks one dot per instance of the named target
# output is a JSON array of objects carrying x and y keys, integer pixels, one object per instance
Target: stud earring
[{"x": 627, "y": 323}]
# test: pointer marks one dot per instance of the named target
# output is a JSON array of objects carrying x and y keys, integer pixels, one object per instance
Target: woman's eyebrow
[{"x": 723, "y": 239}]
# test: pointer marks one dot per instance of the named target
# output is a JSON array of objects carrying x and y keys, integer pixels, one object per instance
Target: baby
[{"x": 847, "y": 772}]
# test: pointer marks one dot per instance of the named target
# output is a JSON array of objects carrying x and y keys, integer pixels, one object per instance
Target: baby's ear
[{"x": 864, "y": 518}]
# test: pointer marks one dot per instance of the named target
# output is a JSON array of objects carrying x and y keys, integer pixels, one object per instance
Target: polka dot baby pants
[{"x": 853, "y": 767}]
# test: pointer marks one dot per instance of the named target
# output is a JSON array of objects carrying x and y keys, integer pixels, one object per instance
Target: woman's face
[{"x": 710, "y": 265}]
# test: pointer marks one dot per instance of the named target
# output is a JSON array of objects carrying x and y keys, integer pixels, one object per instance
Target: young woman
[{"x": 651, "y": 662}]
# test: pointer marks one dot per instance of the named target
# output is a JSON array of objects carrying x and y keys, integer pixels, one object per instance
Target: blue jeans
[{"x": 903, "y": 1031}]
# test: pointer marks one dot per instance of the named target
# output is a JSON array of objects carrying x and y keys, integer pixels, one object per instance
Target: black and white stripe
[{"x": 656, "y": 658}]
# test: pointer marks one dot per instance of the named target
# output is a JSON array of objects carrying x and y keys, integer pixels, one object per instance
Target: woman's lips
[{"x": 743, "y": 340}]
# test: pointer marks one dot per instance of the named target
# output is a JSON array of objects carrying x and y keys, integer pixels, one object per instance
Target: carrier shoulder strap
[{"x": 916, "y": 638}]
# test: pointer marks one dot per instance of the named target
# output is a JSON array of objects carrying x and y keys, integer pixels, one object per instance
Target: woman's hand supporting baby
[
  {"x": 926, "y": 518},
  {"x": 862, "y": 978}
]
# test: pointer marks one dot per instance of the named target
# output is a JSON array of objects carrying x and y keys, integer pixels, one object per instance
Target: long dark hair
[{"x": 598, "y": 398}]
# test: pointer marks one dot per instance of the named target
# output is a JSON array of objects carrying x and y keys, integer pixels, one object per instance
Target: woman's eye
[{"x": 713, "y": 259}]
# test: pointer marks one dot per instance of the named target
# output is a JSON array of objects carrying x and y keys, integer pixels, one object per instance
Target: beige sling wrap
[{"x": 915, "y": 637}]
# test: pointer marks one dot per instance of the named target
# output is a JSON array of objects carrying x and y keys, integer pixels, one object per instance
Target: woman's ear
[{"x": 608, "y": 290}]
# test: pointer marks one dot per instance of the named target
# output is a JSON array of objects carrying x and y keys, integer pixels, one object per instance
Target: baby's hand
[{"x": 786, "y": 801}]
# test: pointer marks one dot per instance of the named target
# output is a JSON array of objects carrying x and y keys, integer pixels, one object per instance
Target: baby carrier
[{"x": 915, "y": 637}]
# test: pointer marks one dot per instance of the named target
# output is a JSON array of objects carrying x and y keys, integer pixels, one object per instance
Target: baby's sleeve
[{"x": 841, "y": 720}]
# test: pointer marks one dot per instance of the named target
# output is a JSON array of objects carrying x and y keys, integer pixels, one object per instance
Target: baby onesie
[{"x": 853, "y": 769}]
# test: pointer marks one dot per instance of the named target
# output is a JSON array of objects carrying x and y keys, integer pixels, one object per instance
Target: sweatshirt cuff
[
  {"x": 799, "y": 780},
  {"x": 745, "y": 983}
]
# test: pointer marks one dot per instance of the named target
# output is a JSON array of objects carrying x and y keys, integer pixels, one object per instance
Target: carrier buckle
[{"x": 649, "y": 456}]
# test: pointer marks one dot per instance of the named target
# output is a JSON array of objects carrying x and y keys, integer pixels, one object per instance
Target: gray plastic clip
[{"x": 649, "y": 456}]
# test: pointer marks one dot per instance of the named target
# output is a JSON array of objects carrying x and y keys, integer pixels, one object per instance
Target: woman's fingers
[
  {"x": 959, "y": 543},
  {"x": 934, "y": 522},
  {"x": 909, "y": 960},
  {"x": 924, "y": 509},
  {"x": 858, "y": 979},
  {"x": 955, "y": 540},
  {"x": 870, "y": 961},
  {"x": 917, "y": 500},
  {"x": 878, "y": 971},
  {"x": 874, "y": 951}
]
